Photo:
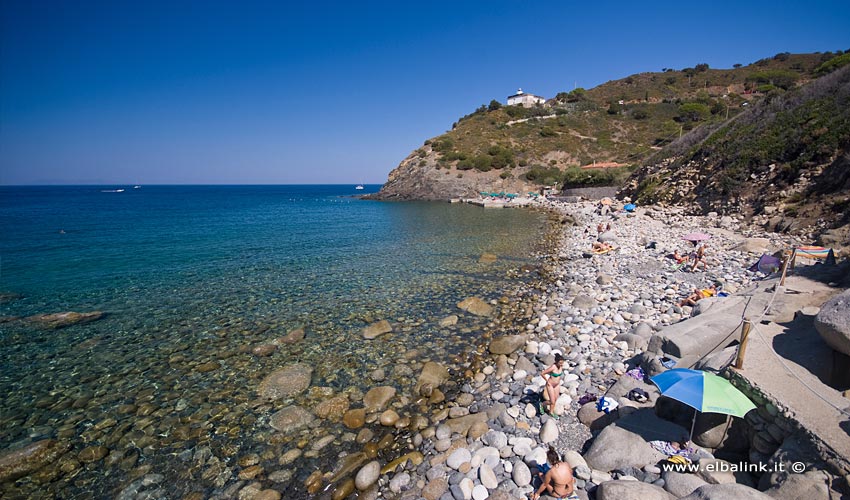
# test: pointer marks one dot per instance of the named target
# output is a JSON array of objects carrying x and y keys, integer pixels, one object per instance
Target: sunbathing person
[
  {"x": 601, "y": 246},
  {"x": 680, "y": 259},
  {"x": 698, "y": 295}
]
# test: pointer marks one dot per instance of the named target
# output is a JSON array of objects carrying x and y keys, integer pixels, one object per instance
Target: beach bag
[{"x": 638, "y": 395}]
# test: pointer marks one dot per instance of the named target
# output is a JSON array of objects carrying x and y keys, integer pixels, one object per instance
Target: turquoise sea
[{"x": 191, "y": 279}]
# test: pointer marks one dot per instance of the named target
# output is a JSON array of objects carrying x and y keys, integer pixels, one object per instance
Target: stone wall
[{"x": 775, "y": 435}]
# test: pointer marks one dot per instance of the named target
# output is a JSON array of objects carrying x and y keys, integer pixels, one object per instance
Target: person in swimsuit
[
  {"x": 699, "y": 258},
  {"x": 552, "y": 375},
  {"x": 692, "y": 299},
  {"x": 559, "y": 481}
]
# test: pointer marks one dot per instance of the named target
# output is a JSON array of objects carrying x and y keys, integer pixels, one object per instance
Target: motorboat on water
[
  {"x": 359, "y": 186},
  {"x": 111, "y": 190}
]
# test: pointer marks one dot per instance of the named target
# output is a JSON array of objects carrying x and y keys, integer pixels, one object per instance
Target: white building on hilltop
[{"x": 524, "y": 100}]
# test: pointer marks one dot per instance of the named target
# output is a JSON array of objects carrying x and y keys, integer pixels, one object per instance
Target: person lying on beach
[
  {"x": 698, "y": 295},
  {"x": 601, "y": 246},
  {"x": 671, "y": 448},
  {"x": 699, "y": 258},
  {"x": 559, "y": 481}
]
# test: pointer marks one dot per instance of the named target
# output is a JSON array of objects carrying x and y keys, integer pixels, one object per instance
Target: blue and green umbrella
[{"x": 703, "y": 391}]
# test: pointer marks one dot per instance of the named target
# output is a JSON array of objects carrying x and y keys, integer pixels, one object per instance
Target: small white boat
[
  {"x": 359, "y": 186},
  {"x": 111, "y": 190},
  {"x": 136, "y": 187}
]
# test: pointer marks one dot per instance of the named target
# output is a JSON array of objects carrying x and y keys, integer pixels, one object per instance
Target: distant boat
[
  {"x": 136, "y": 187},
  {"x": 111, "y": 190},
  {"x": 359, "y": 186}
]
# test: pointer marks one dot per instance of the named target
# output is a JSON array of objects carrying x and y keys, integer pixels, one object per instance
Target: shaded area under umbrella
[{"x": 704, "y": 392}]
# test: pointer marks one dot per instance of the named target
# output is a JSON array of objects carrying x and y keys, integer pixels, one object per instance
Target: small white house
[{"x": 524, "y": 100}]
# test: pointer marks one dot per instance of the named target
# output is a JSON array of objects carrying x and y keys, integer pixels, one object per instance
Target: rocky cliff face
[{"x": 419, "y": 177}]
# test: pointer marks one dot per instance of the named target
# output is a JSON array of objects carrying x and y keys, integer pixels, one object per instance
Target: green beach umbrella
[{"x": 703, "y": 391}]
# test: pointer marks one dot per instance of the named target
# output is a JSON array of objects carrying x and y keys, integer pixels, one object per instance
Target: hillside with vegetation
[
  {"x": 628, "y": 123},
  {"x": 786, "y": 157}
]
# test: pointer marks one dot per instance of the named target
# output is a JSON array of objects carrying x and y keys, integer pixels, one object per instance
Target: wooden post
[
  {"x": 785, "y": 261},
  {"x": 742, "y": 347}
]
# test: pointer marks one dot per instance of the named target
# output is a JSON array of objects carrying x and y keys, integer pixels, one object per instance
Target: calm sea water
[{"x": 191, "y": 278}]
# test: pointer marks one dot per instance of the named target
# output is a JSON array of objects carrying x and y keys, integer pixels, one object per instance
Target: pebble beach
[{"x": 599, "y": 311}]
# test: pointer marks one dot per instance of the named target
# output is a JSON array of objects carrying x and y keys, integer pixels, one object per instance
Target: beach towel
[
  {"x": 812, "y": 252},
  {"x": 600, "y": 252}
]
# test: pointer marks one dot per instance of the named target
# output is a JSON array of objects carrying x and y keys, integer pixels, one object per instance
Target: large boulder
[
  {"x": 630, "y": 490},
  {"x": 617, "y": 448},
  {"x": 507, "y": 344},
  {"x": 286, "y": 381},
  {"x": 703, "y": 334},
  {"x": 812, "y": 484},
  {"x": 22, "y": 461},
  {"x": 680, "y": 484},
  {"x": 726, "y": 492},
  {"x": 833, "y": 322},
  {"x": 63, "y": 319},
  {"x": 595, "y": 419},
  {"x": 476, "y": 306},
  {"x": 754, "y": 245}
]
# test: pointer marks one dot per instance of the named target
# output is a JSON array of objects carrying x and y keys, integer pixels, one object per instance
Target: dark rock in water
[
  {"x": 18, "y": 463},
  {"x": 9, "y": 297},
  {"x": 93, "y": 453},
  {"x": 263, "y": 350},
  {"x": 61, "y": 320}
]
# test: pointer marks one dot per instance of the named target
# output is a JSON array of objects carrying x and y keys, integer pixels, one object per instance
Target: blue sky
[{"x": 252, "y": 92}]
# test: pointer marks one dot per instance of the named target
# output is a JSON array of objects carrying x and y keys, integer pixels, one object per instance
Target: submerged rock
[
  {"x": 291, "y": 419},
  {"x": 18, "y": 463},
  {"x": 476, "y": 306},
  {"x": 285, "y": 382},
  {"x": 377, "y": 329},
  {"x": 63, "y": 319}
]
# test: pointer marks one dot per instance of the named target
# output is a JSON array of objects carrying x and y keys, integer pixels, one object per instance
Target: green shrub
[
  {"x": 517, "y": 111},
  {"x": 547, "y": 132},
  {"x": 693, "y": 112},
  {"x": 833, "y": 64},
  {"x": 640, "y": 114},
  {"x": 494, "y": 105}
]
